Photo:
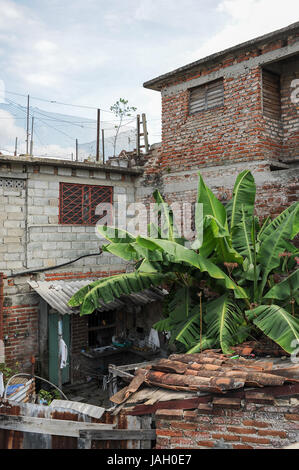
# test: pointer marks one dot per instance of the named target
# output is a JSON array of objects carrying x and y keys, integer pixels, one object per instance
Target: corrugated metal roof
[{"x": 58, "y": 293}]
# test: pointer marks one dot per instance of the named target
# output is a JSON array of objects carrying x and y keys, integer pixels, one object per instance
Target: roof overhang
[
  {"x": 58, "y": 293},
  {"x": 168, "y": 78}
]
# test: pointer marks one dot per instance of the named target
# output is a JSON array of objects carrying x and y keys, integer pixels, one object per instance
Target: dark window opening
[
  {"x": 78, "y": 202},
  {"x": 271, "y": 95},
  {"x": 208, "y": 96},
  {"x": 101, "y": 328}
]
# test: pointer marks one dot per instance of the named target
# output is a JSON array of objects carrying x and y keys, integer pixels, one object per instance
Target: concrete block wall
[{"x": 32, "y": 238}]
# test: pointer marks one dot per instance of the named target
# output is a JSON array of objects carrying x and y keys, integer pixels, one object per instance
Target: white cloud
[
  {"x": 9, "y": 130},
  {"x": 247, "y": 20}
]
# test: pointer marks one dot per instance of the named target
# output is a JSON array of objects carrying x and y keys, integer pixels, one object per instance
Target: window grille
[
  {"x": 208, "y": 96},
  {"x": 78, "y": 202},
  {"x": 12, "y": 184},
  {"x": 271, "y": 95}
]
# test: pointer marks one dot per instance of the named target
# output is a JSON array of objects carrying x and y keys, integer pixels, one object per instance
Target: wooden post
[
  {"x": 145, "y": 134},
  {"x": 138, "y": 136},
  {"x": 31, "y": 141},
  {"x": 103, "y": 145},
  {"x": 77, "y": 156},
  {"x": 16, "y": 147},
  {"x": 98, "y": 137},
  {"x": 27, "y": 129}
]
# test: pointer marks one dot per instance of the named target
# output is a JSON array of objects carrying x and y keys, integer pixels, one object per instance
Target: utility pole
[
  {"x": 31, "y": 141},
  {"x": 103, "y": 145},
  {"x": 98, "y": 137},
  {"x": 27, "y": 132},
  {"x": 145, "y": 133},
  {"x": 138, "y": 136},
  {"x": 16, "y": 147},
  {"x": 76, "y": 150}
]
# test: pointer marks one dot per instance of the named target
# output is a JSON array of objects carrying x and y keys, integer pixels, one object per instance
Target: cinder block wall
[
  {"x": 32, "y": 238},
  {"x": 234, "y": 423}
]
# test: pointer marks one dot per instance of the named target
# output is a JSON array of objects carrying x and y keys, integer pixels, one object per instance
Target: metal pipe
[{"x": 42, "y": 270}]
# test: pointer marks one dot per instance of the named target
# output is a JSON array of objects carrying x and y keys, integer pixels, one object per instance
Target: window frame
[
  {"x": 206, "y": 87},
  {"x": 89, "y": 222}
]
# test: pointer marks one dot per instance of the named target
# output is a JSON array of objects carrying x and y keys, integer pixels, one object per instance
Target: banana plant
[{"x": 235, "y": 257}]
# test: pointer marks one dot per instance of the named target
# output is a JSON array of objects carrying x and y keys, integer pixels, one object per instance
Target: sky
[{"x": 92, "y": 52}]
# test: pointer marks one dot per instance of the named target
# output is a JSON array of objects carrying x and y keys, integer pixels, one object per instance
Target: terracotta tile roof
[{"x": 209, "y": 372}]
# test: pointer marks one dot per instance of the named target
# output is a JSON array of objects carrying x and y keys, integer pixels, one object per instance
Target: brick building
[
  {"x": 49, "y": 249},
  {"x": 232, "y": 110},
  {"x": 229, "y": 111}
]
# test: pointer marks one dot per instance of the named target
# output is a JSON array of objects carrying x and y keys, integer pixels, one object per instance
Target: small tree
[{"x": 121, "y": 110}]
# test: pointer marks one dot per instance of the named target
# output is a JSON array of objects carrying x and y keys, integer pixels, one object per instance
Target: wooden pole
[
  {"x": 103, "y": 145},
  {"x": 138, "y": 136},
  {"x": 77, "y": 150},
  {"x": 16, "y": 147},
  {"x": 31, "y": 141},
  {"x": 27, "y": 130},
  {"x": 98, "y": 136},
  {"x": 145, "y": 134}
]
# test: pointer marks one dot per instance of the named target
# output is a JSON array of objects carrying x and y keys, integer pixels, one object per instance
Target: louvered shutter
[
  {"x": 271, "y": 95},
  {"x": 206, "y": 97}
]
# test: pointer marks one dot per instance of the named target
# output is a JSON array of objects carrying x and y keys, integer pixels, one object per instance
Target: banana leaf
[
  {"x": 225, "y": 322},
  {"x": 277, "y": 324},
  {"x": 110, "y": 288},
  {"x": 243, "y": 196},
  {"x": 286, "y": 288}
]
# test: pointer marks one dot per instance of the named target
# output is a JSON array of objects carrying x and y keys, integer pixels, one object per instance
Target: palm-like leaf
[
  {"x": 225, "y": 323},
  {"x": 276, "y": 323},
  {"x": 108, "y": 289},
  {"x": 274, "y": 242},
  {"x": 286, "y": 288},
  {"x": 243, "y": 198}
]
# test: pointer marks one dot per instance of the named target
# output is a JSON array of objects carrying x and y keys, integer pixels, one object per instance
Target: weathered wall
[
  {"x": 31, "y": 238},
  {"x": 236, "y": 424}
]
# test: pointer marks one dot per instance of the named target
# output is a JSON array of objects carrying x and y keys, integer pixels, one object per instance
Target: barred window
[
  {"x": 271, "y": 95},
  {"x": 78, "y": 202},
  {"x": 206, "y": 96}
]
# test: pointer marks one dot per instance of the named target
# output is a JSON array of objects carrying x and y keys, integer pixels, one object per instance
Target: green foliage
[
  {"x": 231, "y": 265},
  {"x": 8, "y": 372},
  {"x": 48, "y": 397},
  {"x": 121, "y": 109}
]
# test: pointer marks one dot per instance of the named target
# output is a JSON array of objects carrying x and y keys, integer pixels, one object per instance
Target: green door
[{"x": 53, "y": 347}]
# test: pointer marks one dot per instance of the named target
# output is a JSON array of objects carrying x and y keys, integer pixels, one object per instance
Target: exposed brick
[
  {"x": 241, "y": 430},
  {"x": 204, "y": 408},
  {"x": 259, "y": 397},
  {"x": 292, "y": 417},
  {"x": 257, "y": 424},
  {"x": 168, "y": 432},
  {"x": 255, "y": 440},
  {"x": 226, "y": 437},
  {"x": 169, "y": 414},
  {"x": 270, "y": 432},
  {"x": 234, "y": 403}
]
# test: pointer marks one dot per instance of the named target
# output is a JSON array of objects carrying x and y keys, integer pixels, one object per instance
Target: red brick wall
[
  {"x": 246, "y": 425},
  {"x": 238, "y": 131},
  {"x": 21, "y": 328}
]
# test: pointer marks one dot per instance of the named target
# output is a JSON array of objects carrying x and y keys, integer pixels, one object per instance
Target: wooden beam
[
  {"x": 119, "y": 435},
  {"x": 55, "y": 427}
]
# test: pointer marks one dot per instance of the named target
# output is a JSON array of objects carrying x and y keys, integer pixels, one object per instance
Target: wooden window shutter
[
  {"x": 271, "y": 95},
  {"x": 206, "y": 96}
]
